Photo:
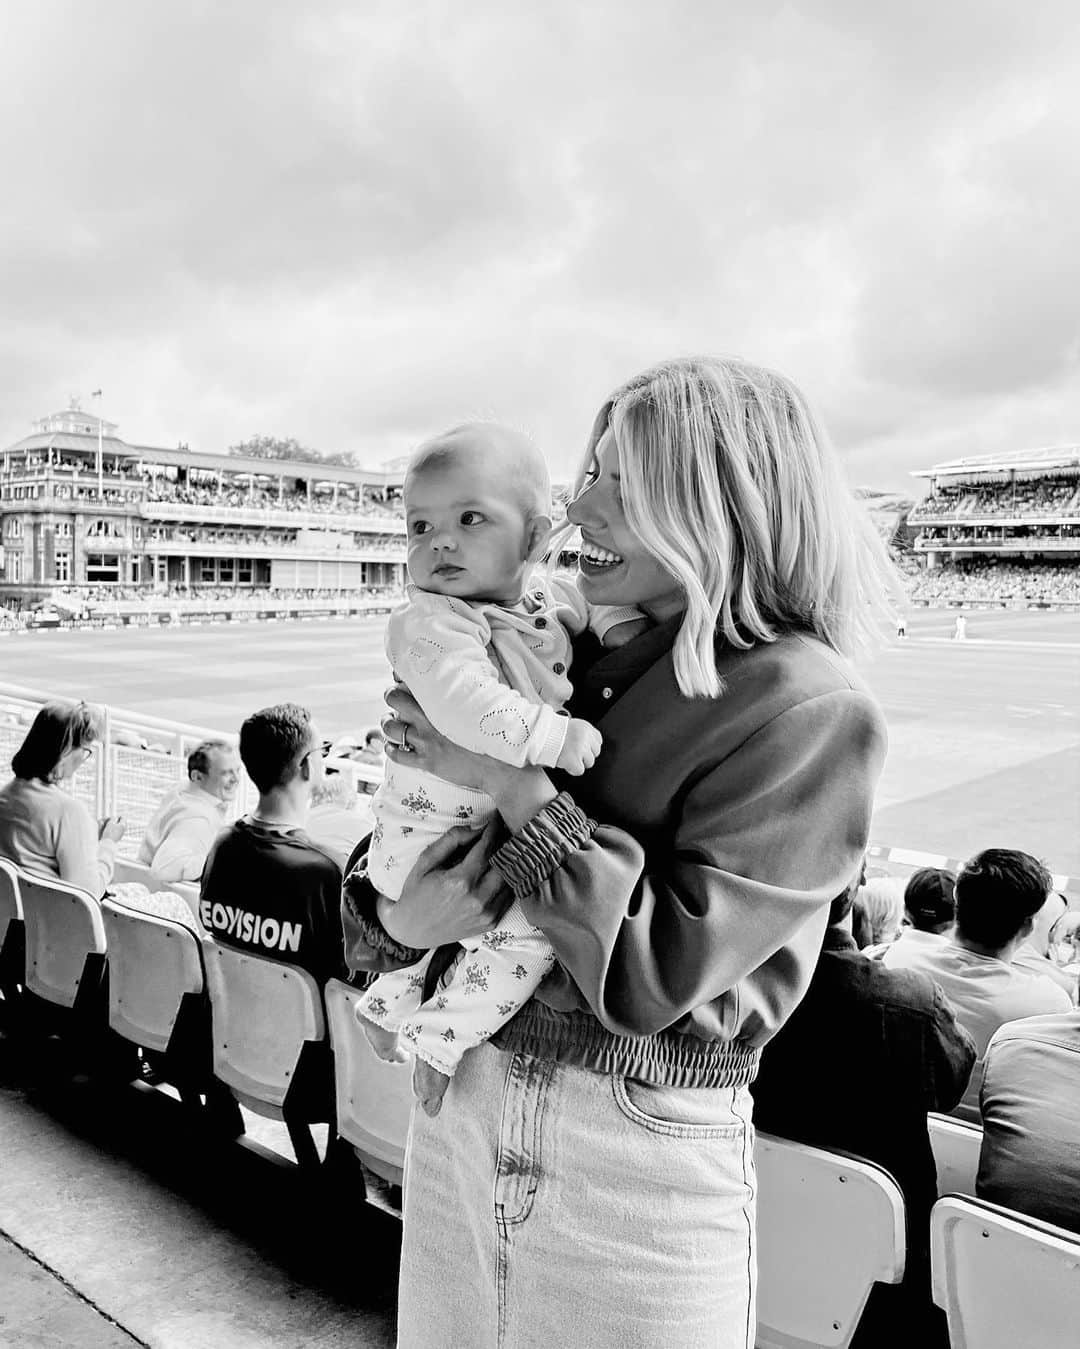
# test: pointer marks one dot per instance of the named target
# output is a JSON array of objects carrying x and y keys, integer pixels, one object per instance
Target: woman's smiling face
[{"x": 615, "y": 566}]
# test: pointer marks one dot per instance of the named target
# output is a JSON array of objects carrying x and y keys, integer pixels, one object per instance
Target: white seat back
[
  {"x": 828, "y": 1227},
  {"x": 1004, "y": 1280},
  {"x": 153, "y": 963},
  {"x": 63, "y": 927},
  {"x": 263, "y": 1012},
  {"x": 10, "y": 900},
  {"x": 956, "y": 1147},
  {"x": 374, "y": 1099},
  {"x": 126, "y": 870}
]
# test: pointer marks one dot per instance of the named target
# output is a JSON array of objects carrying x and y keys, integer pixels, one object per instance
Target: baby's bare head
[{"x": 499, "y": 459}]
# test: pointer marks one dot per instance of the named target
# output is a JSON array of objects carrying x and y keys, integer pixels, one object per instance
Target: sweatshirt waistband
[{"x": 668, "y": 1058}]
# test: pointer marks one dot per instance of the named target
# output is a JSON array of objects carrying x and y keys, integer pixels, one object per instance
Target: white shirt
[
  {"x": 985, "y": 993},
  {"x": 179, "y": 833}
]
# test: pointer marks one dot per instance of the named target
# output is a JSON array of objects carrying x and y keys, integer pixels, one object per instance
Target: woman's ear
[{"x": 537, "y": 534}]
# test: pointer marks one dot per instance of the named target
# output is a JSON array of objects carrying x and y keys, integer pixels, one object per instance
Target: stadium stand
[
  {"x": 829, "y": 1225},
  {"x": 85, "y": 516},
  {"x": 997, "y": 530},
  {"x": 195, "y": 537}
]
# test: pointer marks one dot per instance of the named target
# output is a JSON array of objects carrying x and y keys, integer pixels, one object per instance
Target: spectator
[
  {"x": 179, "y": 833},
  {"x": 1030, "y": 1158},
  {"x": 930, "y": 900},
  {"x": 1035, "y": 953},
  {"x": 929, "y": 909},
  {"x": 371, "y": 753},
  {"x": 337, "y": 821},
  {"x": 882, "y": 901},
  {"x": 266, "y": 887},
  {"x": 865, "y": 1055},
  {"x": 44, "y": 829},
  {"x": 998, "y": 894}
]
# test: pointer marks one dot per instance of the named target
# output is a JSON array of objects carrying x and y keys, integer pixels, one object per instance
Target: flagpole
[{"x": 100, "y": 490}]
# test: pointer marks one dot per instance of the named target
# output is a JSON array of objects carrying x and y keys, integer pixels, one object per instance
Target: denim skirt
[{"x": 551, "y": 1205}]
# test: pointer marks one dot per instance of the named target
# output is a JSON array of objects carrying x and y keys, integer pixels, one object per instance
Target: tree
[{"x": 274, "y": 447}]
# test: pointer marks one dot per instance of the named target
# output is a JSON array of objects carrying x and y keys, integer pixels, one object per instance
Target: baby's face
[{"x": 468, "y": 533}]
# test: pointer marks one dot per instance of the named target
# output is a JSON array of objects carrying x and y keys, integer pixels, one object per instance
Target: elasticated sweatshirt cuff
[
  {"x": 540, "y": 848},
  {"x": 368, "y": 945}
]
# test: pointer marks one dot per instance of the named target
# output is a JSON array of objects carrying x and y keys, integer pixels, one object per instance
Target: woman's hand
[
  {"x": 430, "y": 751},
  {"x": 112, "y": 828},
  {"x": 449, "y": 895}
]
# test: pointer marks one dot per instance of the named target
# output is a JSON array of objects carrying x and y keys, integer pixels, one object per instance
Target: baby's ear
[{"x": 537, "y": 535}]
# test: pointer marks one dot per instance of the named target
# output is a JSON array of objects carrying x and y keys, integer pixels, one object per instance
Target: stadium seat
[
  {"x": 1002, "y": 1279},
  {"x": 269, "y": 1041},
  {"x": 126, "y": 870},
  {"x": 189, "y": 892},
  {"x": 65, "y": 943},
  {"x": 829, "y": 1227},
  {"x": 12, "y": 934},
  {"x": 156, "y": 986},
  {"x": 373, "y": 1099},
  {"x": 956, "y": 1147}
]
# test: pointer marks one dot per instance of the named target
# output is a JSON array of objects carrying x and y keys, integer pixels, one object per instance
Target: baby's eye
[
  {"x": 419, "y": 527},
  {"x": 471, "y": 518}
]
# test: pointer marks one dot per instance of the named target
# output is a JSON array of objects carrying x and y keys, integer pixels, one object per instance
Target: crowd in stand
[
  {"x": 987, "y": 580},
  {"x": 1041, "y": 496},
  {"x": 349, "y": 501}
]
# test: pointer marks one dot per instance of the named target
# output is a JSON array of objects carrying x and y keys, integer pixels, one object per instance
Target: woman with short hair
[
  {"x": 43, "y": 829},
  {"x": 590, "y": 1180}
]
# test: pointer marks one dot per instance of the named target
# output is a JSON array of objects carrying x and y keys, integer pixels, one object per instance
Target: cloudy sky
[{"x": 355, "y": 223}]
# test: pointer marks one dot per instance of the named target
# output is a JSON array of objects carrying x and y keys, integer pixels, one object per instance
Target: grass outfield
[{"x": 984, "y": 735}]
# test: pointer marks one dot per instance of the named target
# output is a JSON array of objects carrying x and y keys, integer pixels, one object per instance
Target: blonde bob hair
[{"x": 730, "y": 481}]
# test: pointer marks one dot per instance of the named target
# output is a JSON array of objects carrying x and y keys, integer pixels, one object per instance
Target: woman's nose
[{"x": 577, "y": 509}]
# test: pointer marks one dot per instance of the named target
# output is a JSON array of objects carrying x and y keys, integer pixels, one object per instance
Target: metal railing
[
  {"x": 141, "y": 758},
  {"x": 130, "y": 779}
]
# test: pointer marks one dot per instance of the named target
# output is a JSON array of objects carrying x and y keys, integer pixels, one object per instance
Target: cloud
[{"x": 356, "y": 225}]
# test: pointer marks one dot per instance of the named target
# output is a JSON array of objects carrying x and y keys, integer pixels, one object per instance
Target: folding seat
[
  {"x": 269, "y": 1041},
  {"x": 126, "y": 870},
  {"x": 829, "y": 1227},
  {"x": 1003, "y": 1279},
  {"x": 373, "y": 1099},
  {"x": 956, "y": 1147},
  {"x": 65, "y": 945},
  {"x": 67, "y": 973},
  {"x": 158, "y": 1001},
  {"x": 12, "y": 936}
]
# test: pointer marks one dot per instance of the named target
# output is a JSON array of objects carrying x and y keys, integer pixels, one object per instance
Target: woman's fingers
[
  {"x": 437, "y": 853},
  {"x": 403, "y": 705},
  {"x": 477, "y": 862}
]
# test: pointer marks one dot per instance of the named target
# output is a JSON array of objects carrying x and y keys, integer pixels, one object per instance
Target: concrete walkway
[
  {"x": 122, "y": 1223},
  {"x": 40, "y": 1309}
]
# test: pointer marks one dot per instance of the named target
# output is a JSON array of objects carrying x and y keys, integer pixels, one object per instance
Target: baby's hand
[
  {"x": 580, "y": 748},
  {"x": 625, "y": 632}
]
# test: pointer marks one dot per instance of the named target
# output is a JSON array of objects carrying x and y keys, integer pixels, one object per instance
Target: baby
[{"x": 484, "y": 648}]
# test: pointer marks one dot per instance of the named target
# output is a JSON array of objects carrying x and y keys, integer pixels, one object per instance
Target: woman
[
  {"x": 43, "y": 829},
  {"x": 590, "y": 1179}
]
